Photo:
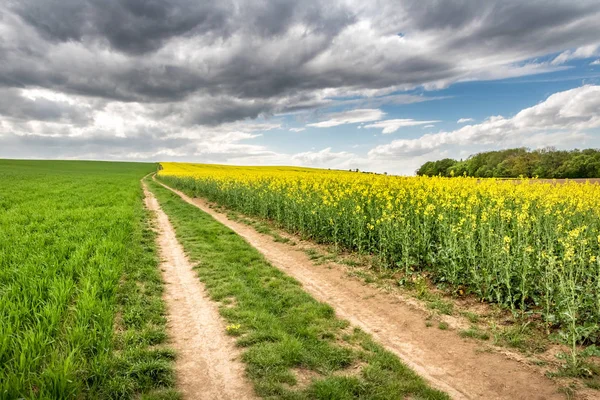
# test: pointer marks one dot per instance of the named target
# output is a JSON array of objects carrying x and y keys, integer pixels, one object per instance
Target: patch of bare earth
[
  {"x": 446, "y": 361},
  {"x": 207, "y": 365}
]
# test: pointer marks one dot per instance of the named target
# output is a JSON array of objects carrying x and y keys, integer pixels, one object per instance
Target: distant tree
[
  {"x": 513, "y": 163},
  {"x": 426, "y": 169},
  {"x": 435, "y": 168}
]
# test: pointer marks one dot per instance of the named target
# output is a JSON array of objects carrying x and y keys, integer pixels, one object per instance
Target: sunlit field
[
  {"x": 529, "y": 246},
  {"x": 80, "y": 305}
]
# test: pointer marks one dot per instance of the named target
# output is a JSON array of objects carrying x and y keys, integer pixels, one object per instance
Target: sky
[{"x": 382, "y": 86}]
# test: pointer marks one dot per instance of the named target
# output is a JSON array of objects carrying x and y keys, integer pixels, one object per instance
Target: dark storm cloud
[
  {"x": 94, "y": 147},
  {"x": 215, "y": 111},
  {"x": 273, "y": 17},
  {"x": 227, "y": 40},
  {"x": 133, "y": 26},
  {"x": 159, "y": 82},
  {"x": 539, "y": 26},
  {"x": 145, "y": 145},
  {"x": 140, "y": 26},
  {"x": 494, "y": 17},
  {"x": 190, "y": 63},
  {"x": 15, "y": 106}
]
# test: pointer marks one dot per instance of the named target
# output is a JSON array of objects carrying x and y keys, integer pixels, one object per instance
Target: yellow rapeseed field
[{"x": 527, "y": 245}]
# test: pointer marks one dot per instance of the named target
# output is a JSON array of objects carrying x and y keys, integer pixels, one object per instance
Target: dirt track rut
[{"x": 207, "y": 365}]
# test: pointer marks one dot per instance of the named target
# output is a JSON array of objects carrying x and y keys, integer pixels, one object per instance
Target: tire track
[{"x": 207, "y": 365}]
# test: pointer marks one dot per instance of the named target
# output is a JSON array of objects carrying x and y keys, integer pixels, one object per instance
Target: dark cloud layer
[
  {"x": 262, "y": 49},
  {"x": 132, "y": 26},
  {"x": 15, "y": 106},
  {"x": 190, "y": 63},
  {"x": 141, "y": 26}
]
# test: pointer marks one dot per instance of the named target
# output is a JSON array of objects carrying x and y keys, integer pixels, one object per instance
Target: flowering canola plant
[{"x": 527, "y": 245}]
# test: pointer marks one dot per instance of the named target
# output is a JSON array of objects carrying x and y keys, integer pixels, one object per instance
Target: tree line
[{"x": 546, "y": 163}]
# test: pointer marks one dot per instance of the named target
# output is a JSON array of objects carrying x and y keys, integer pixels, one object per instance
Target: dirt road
[
  {"x": 207, "y": 365},
  {"x": 448, "y": 362}
]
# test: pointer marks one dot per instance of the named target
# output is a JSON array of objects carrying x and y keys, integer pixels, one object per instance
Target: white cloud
[
  {"x": 429, "y": 126},
  {"x": 321, "y": 158},
  {"x": 350, "y": 117},
  {"x": 561, "y": 118},
  {"x": 464, "y": 120},
  {"x": 118, "y": 130},
  {"x": 579, "y": 53},
  {"x": 597, "y": 62},
  {"x": 297, "y": 129},
  {"x": 392, "y": 125}
]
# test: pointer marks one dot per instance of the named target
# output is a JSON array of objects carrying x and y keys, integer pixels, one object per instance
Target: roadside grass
[
  {"x": 474, "y": 332},
  {"x": 520, "y": 336},
  {"x": 80, "y": 309},
  {"x": 294, "y": 346},
  {"x": 141, "y": 362},
  {"x": 260, "y": 226}
]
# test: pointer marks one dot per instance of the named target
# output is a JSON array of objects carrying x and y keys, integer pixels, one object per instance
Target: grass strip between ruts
[{"x": 294, "y": 346}]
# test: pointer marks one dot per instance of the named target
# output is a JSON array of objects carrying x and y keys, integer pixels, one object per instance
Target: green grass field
[{"x": 80, "y": 308}]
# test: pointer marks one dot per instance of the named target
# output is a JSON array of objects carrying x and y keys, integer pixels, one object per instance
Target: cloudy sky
[{"x": 382, "y": 85}]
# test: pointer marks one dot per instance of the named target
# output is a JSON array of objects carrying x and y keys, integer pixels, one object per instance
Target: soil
[
  {"x": 207, "y": 364},
  {"x": 448, "y": 362}
]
